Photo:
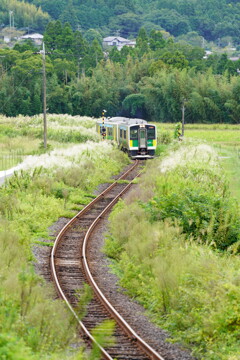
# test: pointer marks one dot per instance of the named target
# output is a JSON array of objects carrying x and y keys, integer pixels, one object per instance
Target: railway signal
[{"x": 103, "y": 128}]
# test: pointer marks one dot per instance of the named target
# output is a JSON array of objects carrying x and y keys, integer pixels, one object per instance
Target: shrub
[{"x": 159, "y": 240}]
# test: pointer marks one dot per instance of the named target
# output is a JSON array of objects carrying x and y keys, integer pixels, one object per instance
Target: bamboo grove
[{"x": 151, "y": 80}]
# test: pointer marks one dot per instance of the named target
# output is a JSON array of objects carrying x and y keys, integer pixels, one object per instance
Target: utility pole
[
  {"x": 11, "y": 23},
  {"x": 78, "y": 74},
  {"x": 44, "y": 97},
  {"x": 183, "y": 116}
]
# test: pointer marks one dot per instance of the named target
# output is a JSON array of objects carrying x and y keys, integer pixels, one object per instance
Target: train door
[{"x": 142, "y": 138}]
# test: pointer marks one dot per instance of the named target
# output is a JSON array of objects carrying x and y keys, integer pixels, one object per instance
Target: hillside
[{"x": 212, "y": 19}]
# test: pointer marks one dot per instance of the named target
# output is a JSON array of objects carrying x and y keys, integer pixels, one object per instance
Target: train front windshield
[
  {"x": 134, "y": 133},
  {"x": 151, "y": 132}
]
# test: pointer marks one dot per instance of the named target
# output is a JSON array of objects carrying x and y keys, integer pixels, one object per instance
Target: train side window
[
  {"x": 120, "y": 133},
  {"x": 124, "y": 134},
  {"x": 110, "y": 131}
]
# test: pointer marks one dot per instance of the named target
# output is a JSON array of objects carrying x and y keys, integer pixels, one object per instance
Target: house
[
  {"x": 234, "y": 58},
  {"x": 36, "y": 38},
  {"x": 118, "y": 41},
  {"x": 207, "y": 53},
  {"x": 7, "y": 38}
]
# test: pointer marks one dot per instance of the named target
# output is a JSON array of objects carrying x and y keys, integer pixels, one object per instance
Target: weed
[{"x": 163, "y": 240}]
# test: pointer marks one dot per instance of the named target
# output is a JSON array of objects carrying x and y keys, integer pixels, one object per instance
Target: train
[{"x": 134, "y": 136}]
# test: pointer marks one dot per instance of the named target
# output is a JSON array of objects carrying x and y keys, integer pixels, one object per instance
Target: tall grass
[
  {"x": 24, "y": 135},
  {"x": 225, "y": 138},
  {"x": 165, "y": 240},
  {"x": 43, "y": 188}
]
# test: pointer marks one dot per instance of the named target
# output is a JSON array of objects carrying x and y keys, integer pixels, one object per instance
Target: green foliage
[
  {"x": 177, "y": 131},
  {"x": 187, "y": 288},
  {"x": 13, "y": 349},
  {"x": 134, "y": 106},
  {"x": 32, "y": 326},
  {"x": 27, "y": 326},
  {"x": 103, "y": 334},
  {"x": 212, "y": 19},
  {"x": 25, "y": 13},
  {"x": 198, "y": 198},
  {"x": 149, "y": 81}
]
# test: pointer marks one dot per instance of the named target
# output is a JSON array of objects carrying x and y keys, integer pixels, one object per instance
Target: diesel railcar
[{"x": 134, "y": 136}]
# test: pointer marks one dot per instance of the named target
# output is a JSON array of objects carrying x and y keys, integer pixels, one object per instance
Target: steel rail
[
  {"x": 127, "y": 328},
  {"x": 53, "y": 252}
]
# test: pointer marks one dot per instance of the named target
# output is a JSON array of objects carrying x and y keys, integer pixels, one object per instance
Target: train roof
[{"x": 124, "y": 120}]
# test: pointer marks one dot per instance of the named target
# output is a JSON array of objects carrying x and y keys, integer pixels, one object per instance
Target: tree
[
  {"x": 176, "y": 59},
  {"x": 26, "y": 45},
  {"x": 79, "y": 45},
  {"x": 92, "y": 34},
  {"x": 53, "y": 31},
  {"x": 94, "y": 55},
  {"x": 69, "y": 15},
  {"x": 170, "y": 20},
  {"x": 142, "y": 42},
  {"x": 134, "y": 106},
  {"x": 222, "y": 64},
  {"x": 65, "y": 40},
  {"x": 65, "y": 70},
  {"x": 54, "y": 7},
  {"x": 115, "y": 55},
  {"x": 128, "y": 24},
  {"x": 156, "y": 40}
]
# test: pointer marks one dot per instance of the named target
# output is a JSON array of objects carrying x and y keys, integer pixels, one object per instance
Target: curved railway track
[{"x": 70, "y": 270}]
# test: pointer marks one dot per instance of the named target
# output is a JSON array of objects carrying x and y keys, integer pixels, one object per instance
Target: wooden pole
[{"x": 44, "y": 98}]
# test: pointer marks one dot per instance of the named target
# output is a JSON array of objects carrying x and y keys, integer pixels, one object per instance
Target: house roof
[
  {"x": 32, "y": 36},
  {"x": 118, "y": 38}
]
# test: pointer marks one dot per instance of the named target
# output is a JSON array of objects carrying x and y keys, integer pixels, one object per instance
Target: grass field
[
  {"x": 23, "y": 135},
  {"x": 225, "y": 139}
]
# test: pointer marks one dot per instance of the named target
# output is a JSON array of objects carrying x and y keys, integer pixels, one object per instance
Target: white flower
[{"x": 195, "y": 154}]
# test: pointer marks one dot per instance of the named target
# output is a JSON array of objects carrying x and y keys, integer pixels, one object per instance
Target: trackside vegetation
[
  {"x": 175, "y": 246},
  {"x": 46, "y": 186}
]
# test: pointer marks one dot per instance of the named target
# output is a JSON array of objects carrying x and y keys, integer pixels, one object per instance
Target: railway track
[{"x": 70, "y": 269}]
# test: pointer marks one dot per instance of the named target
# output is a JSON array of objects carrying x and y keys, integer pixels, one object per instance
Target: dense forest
[
  {"x": 152, "y": 80},
  {"x": 211, "y": 19}
]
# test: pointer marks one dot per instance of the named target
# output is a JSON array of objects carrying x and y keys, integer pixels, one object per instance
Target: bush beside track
[
  {"x": 49, "y": 186},
  {"x": 174, "y": 246}
]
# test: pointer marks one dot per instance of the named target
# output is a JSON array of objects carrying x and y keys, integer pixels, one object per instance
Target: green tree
[
  {"x": 65, "y": 40},
  {"x": 156, "y": 40},
  {"x": 94, "y": 55},
  {"x": 92, "y": 34},
  {"x": 53, "y": 31},
  {"x": 134, "y": 106},
  {"x": 25, "y": 46},
  {"x": 142, "y": 42},
  {"x": 69, "y": 16},
  {"x": 175, "y": 59},
  {"x": 115, "y": 55}
]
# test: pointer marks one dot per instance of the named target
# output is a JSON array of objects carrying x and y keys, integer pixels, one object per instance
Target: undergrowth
[
  {"x": 48, "y": 187},
  {"x": 174, "y": 242}
]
